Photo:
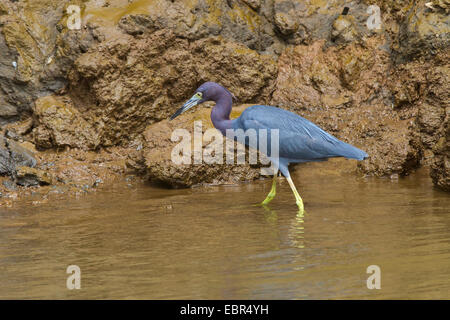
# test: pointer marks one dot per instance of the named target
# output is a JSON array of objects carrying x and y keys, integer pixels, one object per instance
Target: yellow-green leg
[
  {"x": 298, "y": 199},
  {"x": 272, "y": 192}
]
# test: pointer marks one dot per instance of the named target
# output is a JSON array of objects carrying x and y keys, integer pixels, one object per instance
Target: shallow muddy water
[{"x": 214, "y": 243}]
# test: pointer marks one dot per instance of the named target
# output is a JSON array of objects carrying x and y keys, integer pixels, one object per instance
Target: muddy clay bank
[
  {"x": 38, "y": 176},
  {"x": 79, "y": 108}
]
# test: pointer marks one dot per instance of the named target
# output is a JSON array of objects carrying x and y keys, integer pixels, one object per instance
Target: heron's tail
[{"x": 351, "y": 152}]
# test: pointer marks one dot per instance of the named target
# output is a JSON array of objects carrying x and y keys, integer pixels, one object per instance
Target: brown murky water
[{"x": 213, "y": 243}]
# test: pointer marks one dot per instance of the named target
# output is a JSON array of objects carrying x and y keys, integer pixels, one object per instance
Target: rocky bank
[{"x": 79, "y": 107}]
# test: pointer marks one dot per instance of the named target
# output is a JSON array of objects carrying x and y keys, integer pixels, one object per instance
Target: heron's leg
[
  {"x": 298, "y": 199},
  {"x": 272, "y": 192}
]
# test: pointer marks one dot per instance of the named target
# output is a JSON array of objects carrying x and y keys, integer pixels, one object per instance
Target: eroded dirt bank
[{"x": 82, "y": 107}]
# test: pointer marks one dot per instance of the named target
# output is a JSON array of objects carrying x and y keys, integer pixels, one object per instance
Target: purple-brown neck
[{"x": 220, "y": 114}]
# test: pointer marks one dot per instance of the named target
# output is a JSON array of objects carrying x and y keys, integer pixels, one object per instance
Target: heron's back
[{"x": 300, "y": 140}]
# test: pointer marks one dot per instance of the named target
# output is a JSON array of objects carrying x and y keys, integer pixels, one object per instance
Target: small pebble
[
  {"x": 10, "y": 185},
  {"x": 97, "y": 182}
]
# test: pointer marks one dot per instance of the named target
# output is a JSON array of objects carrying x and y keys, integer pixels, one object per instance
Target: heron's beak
[{"x": 189, "y": 104}]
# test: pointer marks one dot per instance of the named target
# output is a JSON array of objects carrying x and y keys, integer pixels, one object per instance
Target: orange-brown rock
[
  {"x": 344, "y": 90},
  {"x": 124, "y": 85},
  {"x": 134, "y": 62},
  {"x": 159, "y": 146},
  {"x": 60, "y": 125}
]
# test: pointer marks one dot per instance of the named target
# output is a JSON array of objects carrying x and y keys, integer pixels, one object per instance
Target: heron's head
[{"x": 208, "y": 91}]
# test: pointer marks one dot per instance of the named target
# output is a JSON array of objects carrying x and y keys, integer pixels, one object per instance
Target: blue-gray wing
[{"x": 299, "y": 139}]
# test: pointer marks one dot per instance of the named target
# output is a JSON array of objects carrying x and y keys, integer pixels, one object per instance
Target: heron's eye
[{"x": 198, "y": 95}]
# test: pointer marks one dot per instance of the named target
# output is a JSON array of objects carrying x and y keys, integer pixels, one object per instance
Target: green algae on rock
[
  {"x": 425, "y": 30},
  {"x": 28, "y": 39}
]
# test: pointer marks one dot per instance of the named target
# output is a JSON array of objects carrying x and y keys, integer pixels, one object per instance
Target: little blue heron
[{"x": 299, "y": 139}]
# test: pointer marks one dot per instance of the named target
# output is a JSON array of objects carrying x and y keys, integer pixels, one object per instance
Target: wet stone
[
  {"x": 10, "y": 185},
  {"x": 32, "y": 177},
  {"x": 12, "y": 155}
]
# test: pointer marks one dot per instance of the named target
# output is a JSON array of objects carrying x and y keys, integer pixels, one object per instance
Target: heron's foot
[
  {"x": 298, "y": 199},
  {"x": 272, "y": 193},
  {"x": 269, "y": 198}
]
